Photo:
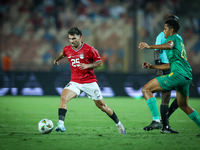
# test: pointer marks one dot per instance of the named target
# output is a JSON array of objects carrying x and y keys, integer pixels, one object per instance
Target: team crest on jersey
[
  {"x": 96, "y": 91},
  {"x": 81, "y": 56}
]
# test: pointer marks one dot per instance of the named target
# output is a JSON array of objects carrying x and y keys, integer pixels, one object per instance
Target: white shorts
[{"x": 91, "y": 89}]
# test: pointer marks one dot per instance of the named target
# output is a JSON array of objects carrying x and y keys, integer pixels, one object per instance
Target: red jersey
[{"x": 85, "y": 54}]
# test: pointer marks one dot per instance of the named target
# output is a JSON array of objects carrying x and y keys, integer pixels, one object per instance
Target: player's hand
[
  {"x": 146, "y": 65},
  {"x": 55, "y": 62},
  {"x": 143, "y": 45},
  {"x": 83, "y": 66}
]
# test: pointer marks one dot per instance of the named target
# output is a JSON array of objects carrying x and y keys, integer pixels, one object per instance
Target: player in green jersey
[
  {"x": 160, "y": 57},
  {"x": 179, "y": 78}
]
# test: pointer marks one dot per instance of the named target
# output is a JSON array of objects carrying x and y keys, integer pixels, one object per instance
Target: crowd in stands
[{"x": 34, "y": 32}]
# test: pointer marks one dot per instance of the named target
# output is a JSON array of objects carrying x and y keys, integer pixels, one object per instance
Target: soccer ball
[{"x": 45, "y": 126}]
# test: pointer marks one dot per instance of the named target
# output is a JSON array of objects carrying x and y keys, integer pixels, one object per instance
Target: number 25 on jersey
[
  {"x": 183, "y": 52},
  {"x": 75, "y": 62}
]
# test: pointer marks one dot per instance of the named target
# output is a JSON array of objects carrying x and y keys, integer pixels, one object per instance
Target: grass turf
[{"x": 89, "y": 128}]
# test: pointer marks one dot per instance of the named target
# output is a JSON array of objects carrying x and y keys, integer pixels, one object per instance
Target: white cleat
[
  {"x": 60, "y": 127},
  {"x": 121, "y": 128}
]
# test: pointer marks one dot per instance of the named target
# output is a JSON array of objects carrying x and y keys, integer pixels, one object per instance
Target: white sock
[
  {"x": 61, "y": 122},
  {"x": 119, "y": 123},
  {"x": 157, "y": 120}
]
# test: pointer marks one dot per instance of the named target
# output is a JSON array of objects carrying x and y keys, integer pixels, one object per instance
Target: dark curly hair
[
  {"x": 75, "y": 30},
  {"x": 172, "y": 24}
]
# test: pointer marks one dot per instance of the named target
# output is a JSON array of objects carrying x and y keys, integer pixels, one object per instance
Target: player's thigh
[
  {"x": 182, "y": 99},
  {"x": 70, "y": 91},
  {"x": 92, "y": 90},
  {"x": 152, "y": 86},
  {"x": 67, "y": 95},
  {"x": 168, "y": 82},
  {"x": 75, "y": 87},
  {"x": 183, "y": 86}
]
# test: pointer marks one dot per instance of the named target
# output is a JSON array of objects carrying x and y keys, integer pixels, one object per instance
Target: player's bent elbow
[{"x": 170, "y": 47}]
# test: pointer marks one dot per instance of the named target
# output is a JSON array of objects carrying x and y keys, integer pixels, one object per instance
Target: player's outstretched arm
[
  {"x": 167, "y": 46},
  {"x": 161, "y": 67},
  {"x": 92, "y": 65},
  {"x": 60, "y": 56}
]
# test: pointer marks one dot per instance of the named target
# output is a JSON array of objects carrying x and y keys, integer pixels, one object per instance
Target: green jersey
[{"x": 178, "y": 58}]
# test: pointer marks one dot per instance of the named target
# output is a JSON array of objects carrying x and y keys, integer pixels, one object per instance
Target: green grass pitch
[{"x": 88, "y": 128}]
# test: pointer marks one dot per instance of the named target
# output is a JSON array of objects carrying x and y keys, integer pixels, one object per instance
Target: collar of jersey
[{"x": 79, "y": 48}]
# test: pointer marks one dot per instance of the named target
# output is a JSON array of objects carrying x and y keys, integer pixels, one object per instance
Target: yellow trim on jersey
[{"x": 170, "y": 74}]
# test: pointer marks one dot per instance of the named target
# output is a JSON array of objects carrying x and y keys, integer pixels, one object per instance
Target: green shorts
[{"x": 175, "y": 81}]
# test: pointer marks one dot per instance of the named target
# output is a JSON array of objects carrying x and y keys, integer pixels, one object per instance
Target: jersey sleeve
[
  {"x": 179, "y": 37},
  {"x": 171, "y": 38},
  {"x": 96, "y": 57},
  {"x": 160, "y": 39}
]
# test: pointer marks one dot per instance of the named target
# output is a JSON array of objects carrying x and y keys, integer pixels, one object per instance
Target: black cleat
[
  {"x": 167, "y": 130},
  {"x": 198, "y": 135},
  {"x": 153, "y": 125}
]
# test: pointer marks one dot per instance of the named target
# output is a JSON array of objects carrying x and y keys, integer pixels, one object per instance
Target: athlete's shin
[
  {"x": 186, "y": 108},
  {"x": 195, "y": 117},
  {"x": 61, "y": 113},
  {"x": 164, "y": 114},
  {"x": 114, "y": 117},
  {"x": 152, "y": 104},
  {"x": 107, "y": 110},
  {"x": 63, "y": 102},
  {"x": 173, "y": 107},
  {"x": 103, "y": 106},
  {"x": 166, "y": 97}
]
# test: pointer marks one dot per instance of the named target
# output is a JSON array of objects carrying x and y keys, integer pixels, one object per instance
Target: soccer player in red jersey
[{"x": 82, "y": 58}]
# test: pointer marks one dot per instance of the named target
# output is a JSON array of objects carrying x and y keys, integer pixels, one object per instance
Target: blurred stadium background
[{"x": 34, "y": 32}]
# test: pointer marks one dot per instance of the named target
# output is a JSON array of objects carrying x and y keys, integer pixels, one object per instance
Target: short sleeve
[
  {"x": 170, "y": 38},
  {"x": 96, "y": 57}
]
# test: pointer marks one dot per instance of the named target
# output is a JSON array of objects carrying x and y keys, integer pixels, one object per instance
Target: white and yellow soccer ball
[{"x": 45, "y": 126}]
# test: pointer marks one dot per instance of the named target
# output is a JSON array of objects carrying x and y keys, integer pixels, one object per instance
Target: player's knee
[{"x": 144, "y": 90}]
